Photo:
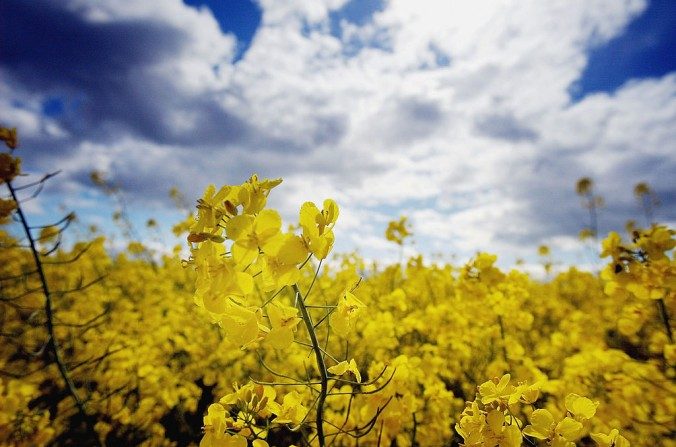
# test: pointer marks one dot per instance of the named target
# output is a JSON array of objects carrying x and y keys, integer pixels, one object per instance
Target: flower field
[{"x": 257, "y": 339}]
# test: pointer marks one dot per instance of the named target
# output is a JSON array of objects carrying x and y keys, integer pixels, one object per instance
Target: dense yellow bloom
[{"x": 568, "y": 359}]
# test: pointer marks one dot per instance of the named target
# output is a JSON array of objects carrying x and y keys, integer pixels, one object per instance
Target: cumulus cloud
[{"x": 458, "y": 114}]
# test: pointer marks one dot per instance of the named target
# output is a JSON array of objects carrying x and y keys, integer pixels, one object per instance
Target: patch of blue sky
[
  {"x": 239, "y": 17},
  {"x": 357, "y": 12},
  {"x": 647, "y": 49},
  {"x": 53, "y": 107},
  {"x": 441, "y": 59}
]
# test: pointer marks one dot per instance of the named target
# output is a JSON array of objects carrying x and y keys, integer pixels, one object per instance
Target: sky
[{"x": 473, "y": 118}]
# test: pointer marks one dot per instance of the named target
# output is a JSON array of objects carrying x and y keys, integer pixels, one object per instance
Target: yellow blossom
[
  {"x": 613, "y": 439},
  {"x": 343, "y": 317},
  {"x": 345, "y": 366}
]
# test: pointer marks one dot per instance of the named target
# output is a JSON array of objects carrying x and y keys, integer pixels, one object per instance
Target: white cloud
[{"x": 482, "y": 152}]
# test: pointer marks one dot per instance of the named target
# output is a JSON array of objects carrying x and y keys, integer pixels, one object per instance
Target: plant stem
[
  {"x": 665, "y": 319},
  {"x": 320, "y": 364},
  {"x": 592, "y": 216},
  {"x": 502, "y": 336},
  {"x": 49, "y": 312}
]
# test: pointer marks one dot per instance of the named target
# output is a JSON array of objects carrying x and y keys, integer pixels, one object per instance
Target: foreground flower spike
[{"x": 240, "y": 254}]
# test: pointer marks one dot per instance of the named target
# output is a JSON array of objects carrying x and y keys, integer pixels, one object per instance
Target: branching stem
[{"x": 49, "y": 312}]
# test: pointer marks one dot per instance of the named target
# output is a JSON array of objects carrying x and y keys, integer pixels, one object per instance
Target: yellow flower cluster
[
  {"x": 496, "y": 418},
  {"x": 641, "y": 268},
  {"x": 236, "y": 239}
]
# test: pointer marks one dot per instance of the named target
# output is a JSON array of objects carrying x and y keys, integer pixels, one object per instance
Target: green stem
[
  {"x": 49, "y": 312},
  {"x": 320, "y": 364}
]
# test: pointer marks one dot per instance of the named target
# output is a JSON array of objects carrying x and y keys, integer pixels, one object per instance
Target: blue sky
[{"x": 473, "y": 118}]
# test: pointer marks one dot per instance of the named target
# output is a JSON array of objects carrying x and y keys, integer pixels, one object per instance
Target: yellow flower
[
  {"x": 218, "y": 283},
  {"x": 528, "y": 393},
  {"x": 580, "y": 407},
  {"x": 471, "y": 425},
  {"x": 214, "y": 430},
  {"x": 291, "y": 411},
  {"x": 613, "y": 439},
  {"x": 9, "y": 136},
  {"x": 496, "y": 390},
  {"x": 10, "y": 167},
  {"x": 253, "y": 193},
  {"x": 343, "y": 367},
  {"x": 612, "y": 245},
  {"x": 6, "y": 208},
  {"x": 542, "y": 426},
  {"x": 283, "y": 320},
  {"x": 343, "y": 317},
  {"x": 279, "y": 265},
  {"x": 397, "y": 231},
  {"x": 240, "y": 324},
  {"x": 210, "y": 211},
  {"x": 251, "y": 233},
  {"x": 500, "y": 434},
  {"x": 318, "y": 227},
  {"x": 584, "y": 186}
]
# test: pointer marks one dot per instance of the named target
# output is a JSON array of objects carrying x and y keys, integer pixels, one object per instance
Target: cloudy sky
[{"x": 474, "y": 118}]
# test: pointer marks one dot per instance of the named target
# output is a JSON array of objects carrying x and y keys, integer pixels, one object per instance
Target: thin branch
[
  {"x": 42, "y": 180},
  {"x": 50, "y": 316},
  {"x": 71, "y": 260}
]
